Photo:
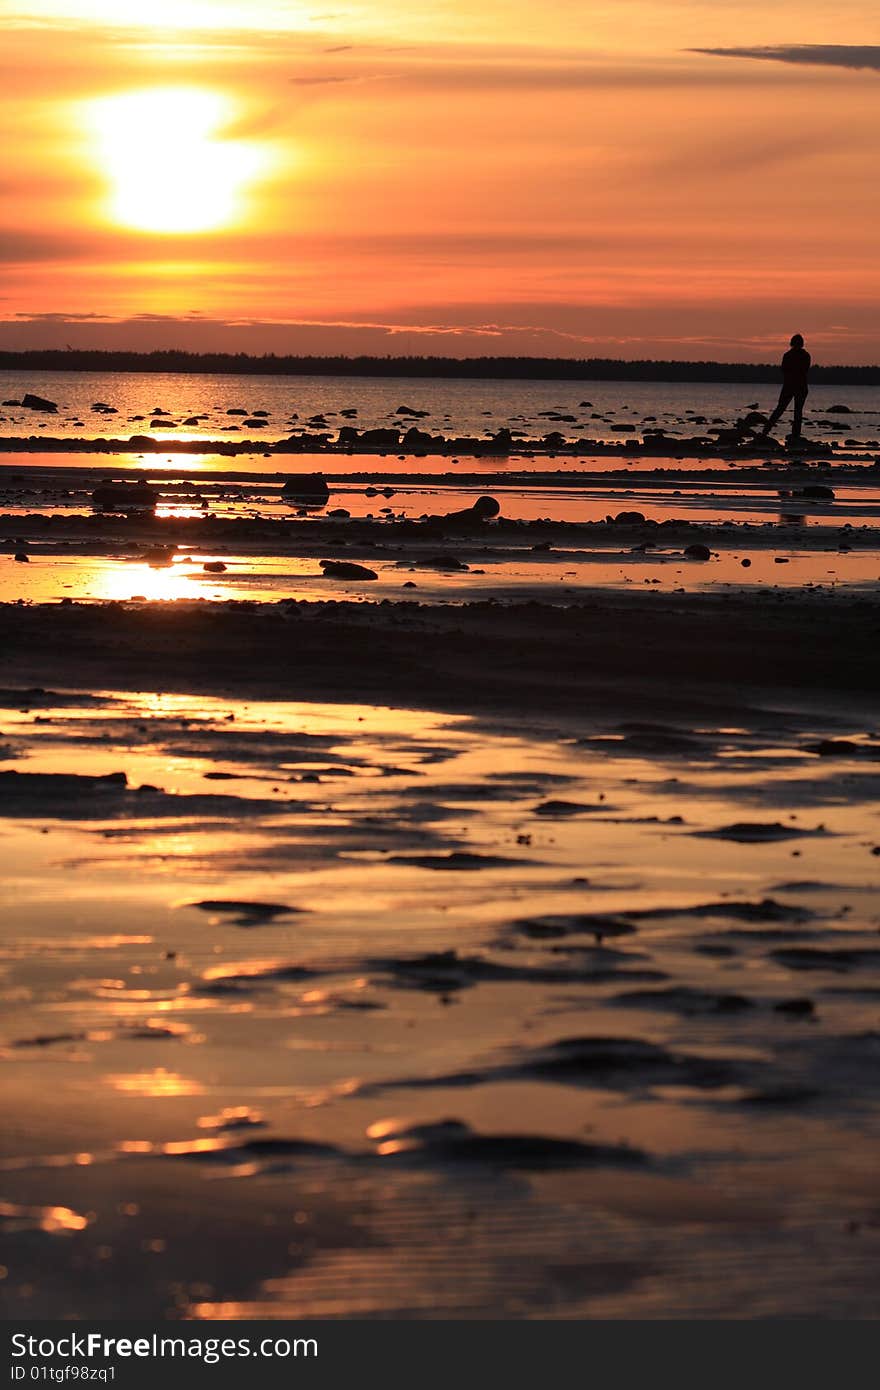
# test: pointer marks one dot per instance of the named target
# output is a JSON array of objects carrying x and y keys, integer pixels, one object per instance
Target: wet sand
[{"x": 505, "y": 946}]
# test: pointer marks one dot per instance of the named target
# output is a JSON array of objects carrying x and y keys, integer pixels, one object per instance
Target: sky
[{"x": 676, "y": 178}]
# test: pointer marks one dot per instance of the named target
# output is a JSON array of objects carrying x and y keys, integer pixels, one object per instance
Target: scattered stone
[{"x": 346, "y": 569}]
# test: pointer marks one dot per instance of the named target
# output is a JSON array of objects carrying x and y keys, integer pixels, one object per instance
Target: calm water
[
  {"x": 455, "y": 407},
  {"x": 344, "y": 1010}
]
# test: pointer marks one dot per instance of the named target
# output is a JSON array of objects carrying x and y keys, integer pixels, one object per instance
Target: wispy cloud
[{"x": 858, "y": 57}]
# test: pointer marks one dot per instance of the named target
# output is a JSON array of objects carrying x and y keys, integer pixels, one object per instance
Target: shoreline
[{"x": 613, "y": 652}]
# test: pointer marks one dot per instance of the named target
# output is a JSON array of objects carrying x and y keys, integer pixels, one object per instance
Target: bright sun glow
[{"x": 171, "y": 167}]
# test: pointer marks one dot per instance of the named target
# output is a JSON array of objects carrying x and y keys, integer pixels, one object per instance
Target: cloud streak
[{"x": 855, "y": 57}]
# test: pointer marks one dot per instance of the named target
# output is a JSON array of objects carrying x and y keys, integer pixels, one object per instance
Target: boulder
[
  {"x": 499, "y": 443},
  {"x": 307, "y": 488},
  {"x": 381, "y": 438},
  {"x": 32, "y": 402},
  {"x": 125, "y": 497},
  {"x": 629, "y": 519},
  {"x": 346, "y": 569},
  {"x": 697, "y": 552},
  {"x": 818, "y": 490}
]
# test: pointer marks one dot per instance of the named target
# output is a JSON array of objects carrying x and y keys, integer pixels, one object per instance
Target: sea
[{"x": 451, "y": 406}]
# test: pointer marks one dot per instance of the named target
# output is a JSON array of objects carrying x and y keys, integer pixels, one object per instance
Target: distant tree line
[{"x": 463, "y": 368}]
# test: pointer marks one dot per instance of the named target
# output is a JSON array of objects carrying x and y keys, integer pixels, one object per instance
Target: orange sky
[{"x": 566, "y": 178}]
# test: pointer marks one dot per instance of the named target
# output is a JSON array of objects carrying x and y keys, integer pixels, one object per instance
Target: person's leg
[
  {"x": 798, "y": 420},
  {"x": 784, "y": 398}
]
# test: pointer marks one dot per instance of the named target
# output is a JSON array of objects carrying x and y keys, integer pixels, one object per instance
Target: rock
[
  {"x": 309, "y": 489},
  {"x": 838, "y": 410},
  {"x": 411, "y": 410},
  {"x": 623, "y": 429},
  {"x": 214, "y": 567},
  {"x": 21, "y": 557},
  {"x": 12, "y": 402},
  {"x": 158, "y": 424},
  {"x": 697, "y": 552},
  {"x": 346, "y": 569},
  {"x": 236, "y": 410},
  {"x": 746, "y": 564},
  {"x": 125, "y": 497},
  {"x": 486, "y": 508},
  {"x": 381, "y": 438},
  {"x": 32, "y": 402},
  {"x": 255, "y": 423},
  {"x": 417, "y": 439},
  {"x": 818, "y": 490},
  {"x": 500, "y": 443},
  {"x": 629, "y": 519}
]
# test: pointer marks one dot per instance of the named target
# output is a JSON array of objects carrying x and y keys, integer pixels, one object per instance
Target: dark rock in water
[
  {"x": 158, "y": 554},
  {"x": 629, "y": 518},
  {"x": 346, "y": 569},
  {"x": 21, "y": 557},
  {"x": 11, "y": 402},
  {"x": 308, "y": 488},
  {"x": 486, "y": 507},
  {"x": 818, "y": 490},
  {"x": 444, "y": 562},
  {"x": 214, "y": 567},
  {"x": 32, "y": 402},
  {"x": 339, "y": 514},
  {"x": 381, "y": 438},
  {"x": 255, "y": 423},
  {"x": 623, "y": 429},
  {"x": 125, "y": 497},
  {"x": 697, "y": 552},
  {"x": 838, "y": 410},
  {"x": 264, "y": 414},
  {"x": 348, "y": 414},
  {"x": 157, "y": 410},
  {"x": 411, "y": 410},
  {"x": 500, "y": 443},
  {"x": 159, "y": 424},
  {"x": 746, "y": 564},
  {"x": 193, "y": 420},
  {"x": 236, "y": 410},
  {"x": 420, "y": 439}
]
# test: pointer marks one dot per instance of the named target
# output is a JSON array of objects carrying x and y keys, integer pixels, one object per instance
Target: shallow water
[
  {"x": 454, "y": 407},
  {"x": 505, "y": 574},
  {"x": 340, "y": 1010}
]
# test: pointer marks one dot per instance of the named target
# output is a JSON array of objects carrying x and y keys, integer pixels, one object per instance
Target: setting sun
[{"x": 169, "y": 162}]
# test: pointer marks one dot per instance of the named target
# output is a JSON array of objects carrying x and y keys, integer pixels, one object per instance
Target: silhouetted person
[{"x": 795, "y": 370}]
